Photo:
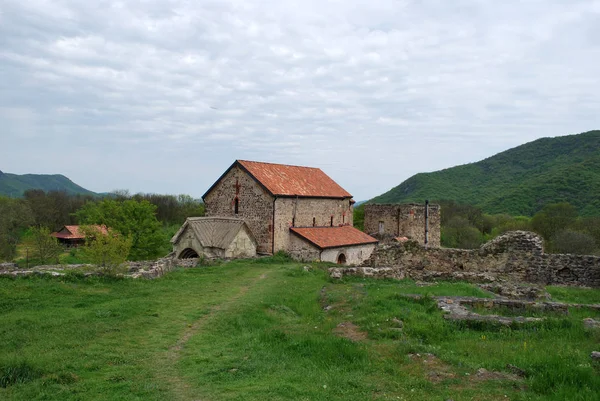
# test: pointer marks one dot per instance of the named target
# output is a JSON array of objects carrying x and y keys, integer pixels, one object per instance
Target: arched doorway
[
  {"x": 188, "y": 253},
  {"x": 341, "y": 260}
]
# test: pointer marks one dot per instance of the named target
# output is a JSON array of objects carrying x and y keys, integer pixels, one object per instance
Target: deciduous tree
[
  {"x": 15, "y": 217},
  {"x": 45, "y": 247},
  {"x": 108, "y": 251},
  {"x": 130, "y": 218}
]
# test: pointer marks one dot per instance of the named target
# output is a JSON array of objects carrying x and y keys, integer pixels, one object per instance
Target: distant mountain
[
  {"x": 519, "y": 181},
  {"x": 15, "y": 185}
]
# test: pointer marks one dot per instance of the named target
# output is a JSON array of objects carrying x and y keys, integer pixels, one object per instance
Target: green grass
[
  {"x": 574, "y": 295},
  {"x": 266, "y": 330}
]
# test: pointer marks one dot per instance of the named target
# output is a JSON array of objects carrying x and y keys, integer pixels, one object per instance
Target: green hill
[
  {"x": 15, "y": 185},
  {"x": 519, "y": 181}
]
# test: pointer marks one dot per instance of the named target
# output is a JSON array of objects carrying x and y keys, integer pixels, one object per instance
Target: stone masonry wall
[
  {"x": 243, "y": 245},
  {"x": 514, "y": 256},
  {"x": 404, "y": 221},
  {"x": 302, "y": 250},
  {"x": 305, "y": 210},
  {"x": 255, "y": 205},
  {"x": 354, "y": 254}
]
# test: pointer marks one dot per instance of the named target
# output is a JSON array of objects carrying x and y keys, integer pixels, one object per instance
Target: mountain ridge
[
  {"x": 15, "y": 185},
  {"x": 517, "y": 181}
]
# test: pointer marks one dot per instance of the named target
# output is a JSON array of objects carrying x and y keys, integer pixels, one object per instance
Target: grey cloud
[{"x": 372, "y": 92}]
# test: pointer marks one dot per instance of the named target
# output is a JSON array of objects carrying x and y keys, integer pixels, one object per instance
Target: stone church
[{"x": 296, "y": 209}]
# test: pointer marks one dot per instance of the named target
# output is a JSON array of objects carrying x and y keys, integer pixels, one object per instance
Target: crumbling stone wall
[
  {"x": 514, "y": 256},
  {"x": 255, "y": 205},
  {"x": 403, "y": 221}
]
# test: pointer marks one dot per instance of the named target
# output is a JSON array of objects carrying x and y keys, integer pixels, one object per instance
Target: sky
[{"x": 161, "y": 96}]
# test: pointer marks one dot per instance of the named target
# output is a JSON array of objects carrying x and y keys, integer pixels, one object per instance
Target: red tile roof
[
  {"x": 73, "y": 232},
  {"x": 333, "y": 237},
  {"x": 285, "y": 180}
]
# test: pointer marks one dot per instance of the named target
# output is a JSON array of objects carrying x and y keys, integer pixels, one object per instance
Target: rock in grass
[
  {"x": 595, "y": 355},
  {"x": 590, "y": 323}
]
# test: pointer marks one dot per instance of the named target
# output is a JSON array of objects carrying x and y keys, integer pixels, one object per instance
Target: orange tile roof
[
  {"x": 333, "y": 237},
  {"x": 75, "y": 232},
  {"x": 285, "y": 180}
]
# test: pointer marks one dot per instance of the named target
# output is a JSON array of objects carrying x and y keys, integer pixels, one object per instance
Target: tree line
[
  {"x": 148, "y": 220},
  {"x": 560, "y": 225}
]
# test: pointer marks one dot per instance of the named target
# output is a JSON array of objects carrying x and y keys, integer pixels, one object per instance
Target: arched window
[
  {"x": 236, "y": 207},
  {"x": 314, "y": 221}
]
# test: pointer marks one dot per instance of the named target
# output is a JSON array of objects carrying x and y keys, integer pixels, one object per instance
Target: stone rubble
[
  {"x": 138, "y": 269},
  {"x": 516, "y": 256}
]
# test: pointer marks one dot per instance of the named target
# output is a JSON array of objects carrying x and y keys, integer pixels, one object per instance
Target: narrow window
[
  {"x": 314, "y": 221},
  {"x": 343, "y": 217},
  {"x": 237, "y": 206},
  {"x": 331, "y": 221},
  {"x": 293, "y": 222}
]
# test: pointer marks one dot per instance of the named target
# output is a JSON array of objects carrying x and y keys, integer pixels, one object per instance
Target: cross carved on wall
[{"x": 237, "y": 187}]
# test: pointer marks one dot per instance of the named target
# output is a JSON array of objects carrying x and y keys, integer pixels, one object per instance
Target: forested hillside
[
  {"x": 519, "y": 181},
  {"x": 14, "y": 185}
]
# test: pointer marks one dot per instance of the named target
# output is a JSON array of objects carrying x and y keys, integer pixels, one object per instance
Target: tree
[
  {"x": 359, "y": 217},
  {"x": 15, "y": 217},
  {"x": 130, "y": 218},
  {"x": 568, "y": 241},
  {"x": 459, "y": 233},
  {"x": 554, "y": 218},
  {"x": 45, "y": 247},
  {"x": 108, "y": 251}
]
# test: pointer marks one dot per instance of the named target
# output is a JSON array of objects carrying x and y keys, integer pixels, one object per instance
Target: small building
[
  {"x": 74, "y": 236},
  {"x": 214, "y": 237},
  {"x": 404, "y": 220},
  {"x": 273, "y": 199},
  {"x": 342, "y": 245}
]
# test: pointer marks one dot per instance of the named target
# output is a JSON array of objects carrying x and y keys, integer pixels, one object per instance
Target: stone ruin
[
  {"x": 140, "y": 269},
  {"x": 517, "y": 256}
]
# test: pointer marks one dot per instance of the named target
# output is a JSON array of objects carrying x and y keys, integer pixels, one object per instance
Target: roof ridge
[{"x": 279, "y": 164}]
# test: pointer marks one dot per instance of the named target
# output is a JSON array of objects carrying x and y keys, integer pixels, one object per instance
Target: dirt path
[{"x": 181, "y": 390}]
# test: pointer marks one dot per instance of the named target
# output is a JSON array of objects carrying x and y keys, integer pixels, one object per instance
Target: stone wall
[
  {"x": 255, "y": 205},
  {"x": 243, "y": 245},
  {"x": 302, "y": 250},
  {"x": 514, "y": 256},
  {"x": 138, "y": 269},
  {"x": 305, "y": 210},
  {"x": 354, "y": 254},
  {"x": 403, "y": 221}
]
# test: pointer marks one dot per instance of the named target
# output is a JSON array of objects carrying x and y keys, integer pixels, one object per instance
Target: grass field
[{"x": 269, "y": 330}]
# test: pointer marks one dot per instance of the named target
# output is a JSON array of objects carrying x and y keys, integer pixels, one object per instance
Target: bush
[{"x": 568, "y": 241}]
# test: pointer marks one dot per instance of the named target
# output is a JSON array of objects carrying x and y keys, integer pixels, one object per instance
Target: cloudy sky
[{"x": 163, "y": 95}]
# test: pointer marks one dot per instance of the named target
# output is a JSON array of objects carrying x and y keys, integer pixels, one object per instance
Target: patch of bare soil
[
  {"x": 484, "y": 374},
  {"x": 435, "y": 369},
  {"x": 350, "y": 331}
]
